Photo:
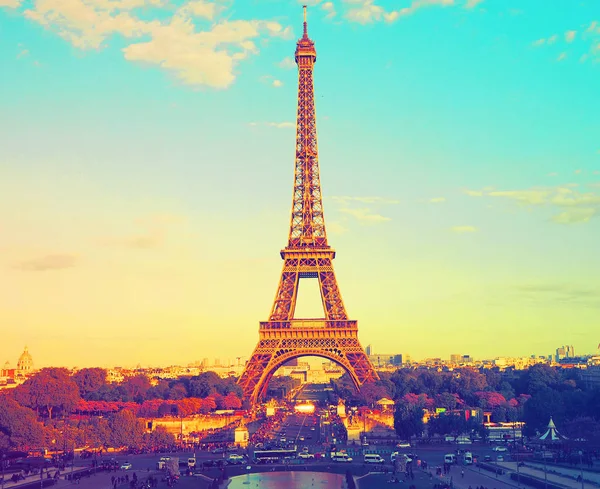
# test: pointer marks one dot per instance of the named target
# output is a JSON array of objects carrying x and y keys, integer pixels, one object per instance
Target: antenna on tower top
[{"x": 305, "y": 29}]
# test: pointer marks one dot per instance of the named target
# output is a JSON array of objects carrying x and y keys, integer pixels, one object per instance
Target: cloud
[
  {"x": 575, "y": 215},
  {"x": 551, "y": 293},
  {"x": 142, "y": 242},
  {"x": 437, "y": 200},
  {"x": 419, "y": 4},
  {"x": 181, "y": 44},
  {"x": 10, "y": 3},
  {"x": 330, "y": 9},
  {"x": 287, "y": 63},
  {"x": 345, "y": 200},
  {"x": 574, "y": 206},
  {"x": 277, "y": 83},
  {"x": 363, "y": 209},
  {"x": 472, "y": 3},
  {"x": 364, "y": 11},
  {"x": 591, "y": 35},
  {"x": 334, "y": 227},
  {"x": 364, "y": 215},
  {"x": 474, "y": 193},
  {"x": 279, "y": 125},
  {"x": 463, "y": 229},
  {"x": 553, "y": 174},
  {"x": 47, "y": 262},
  {"x": 155, "y": 227},
  {"x": 577, "y": 172}
]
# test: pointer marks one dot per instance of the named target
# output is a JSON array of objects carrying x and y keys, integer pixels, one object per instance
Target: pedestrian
[{"x": 462, "y": 473}]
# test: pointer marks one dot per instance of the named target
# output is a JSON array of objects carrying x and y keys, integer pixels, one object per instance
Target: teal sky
[{"x": 146, "y": 164}]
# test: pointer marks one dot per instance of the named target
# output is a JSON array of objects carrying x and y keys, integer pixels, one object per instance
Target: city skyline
[{"x": 150, "y": 156}]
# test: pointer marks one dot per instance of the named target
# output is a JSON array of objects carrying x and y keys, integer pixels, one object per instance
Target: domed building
[{"x": 25, "y": 363}]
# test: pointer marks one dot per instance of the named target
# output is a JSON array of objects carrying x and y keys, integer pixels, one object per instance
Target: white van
[
  {"x": 373, "y": 458},
  {"x": 449, "y": 458},
  {"x": 340, "y": 457},
  {"x": 468, "y": 458}
]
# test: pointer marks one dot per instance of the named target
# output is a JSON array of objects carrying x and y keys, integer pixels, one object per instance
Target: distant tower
[{"x": 25, "y": 363}]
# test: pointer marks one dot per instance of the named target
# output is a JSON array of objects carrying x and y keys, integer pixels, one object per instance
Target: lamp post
[
  {"x": 545, "y": 472},
  {"x": 2, "y": 461},
  {"x": 581, "y": 467}
]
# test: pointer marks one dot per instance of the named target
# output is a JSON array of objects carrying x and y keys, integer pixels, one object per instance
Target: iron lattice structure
[{"x": 307, "y": 255}]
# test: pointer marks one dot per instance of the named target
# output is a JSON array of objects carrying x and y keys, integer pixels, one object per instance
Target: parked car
[
  {"x": 126, "y": 466},
  {"x": 305, "y": 455},
  {"x": 500, "y": 449}
]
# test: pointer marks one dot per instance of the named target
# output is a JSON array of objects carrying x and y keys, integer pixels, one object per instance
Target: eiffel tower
[{"x": 307, "y": 255}]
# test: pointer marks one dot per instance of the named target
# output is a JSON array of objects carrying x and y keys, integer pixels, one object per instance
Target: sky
[{"x": 146, "y": 170}]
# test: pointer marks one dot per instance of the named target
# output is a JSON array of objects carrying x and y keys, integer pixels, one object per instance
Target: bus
[{"x": 272, "y": 456}]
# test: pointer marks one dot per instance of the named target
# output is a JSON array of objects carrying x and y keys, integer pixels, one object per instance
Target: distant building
[
  {"x": 369, "y": 350},
  {"x": 25, "y": 363},
  {"x": 455, "y": 358},
  {"x": 591, "y": 377},
  {"x": 381, "y": 360}
]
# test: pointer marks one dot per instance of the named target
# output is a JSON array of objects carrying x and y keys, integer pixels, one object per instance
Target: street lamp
[
  {"x": 581, "y": 467},
  {"x": 2, "y": 462}
]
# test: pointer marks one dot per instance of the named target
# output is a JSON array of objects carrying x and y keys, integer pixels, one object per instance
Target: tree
[
  {"x": 408, "y": 420},
  {"x": 19, "y": 427},
  {"x": 137, "y": 387},
  {"x": 90, "y": 380},
  {"x": 126, "y": 430},
  {"x": 160, "y": 438},
  {"x": 49, "y": 389}
]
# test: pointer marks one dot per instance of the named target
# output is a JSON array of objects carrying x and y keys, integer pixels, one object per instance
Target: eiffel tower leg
[
  {"x": 287, "y": 292},
  {"x": 253, "y": 372},
  {"x": 330, "y": 294}
]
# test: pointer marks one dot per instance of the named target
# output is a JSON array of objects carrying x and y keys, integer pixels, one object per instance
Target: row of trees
[
  {"x": 54, "y": 391},
  {"x": 531, "y": 395},
  {"x": 20, "y": 428}
]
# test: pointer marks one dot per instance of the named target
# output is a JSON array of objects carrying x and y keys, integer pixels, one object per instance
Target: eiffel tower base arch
[{"x": 334, "y": 340}]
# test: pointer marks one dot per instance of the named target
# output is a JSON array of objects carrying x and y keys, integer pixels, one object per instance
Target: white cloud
[
  {"x": 576, "y": 215},
  {"x": 47, "y": 262},
  {"x": 345, "y": 200},
  {"x": 278, "y": 125},
  {"x": 364, "y": 11},
  {"x": 330, "y": 9},
  {"x": 539, "y": 42},
  {"x": 553, "y": 174},
  {"x": 575, "y": 206},
  {"x": 419, "y": 4},
  {"x": 577, "y": 172},
  {"x": 472, "y": 3},
  {"x": 10, "y": 3},
  {"x": 277, "y": 83},
  {"x": 552, "y": 39},
  {"x": 287, "y": 63},
  {"x": 364, "y": 215},
  {"x": 334, "y": 227},
  {"x": 195, "y": 55},
  {"x": 463, "y": 229},
  {"x": 437, "y": 200},
  {"x": 570, "y": 36},
  {"x": 474, "y": 193},
  {"x": 561, "y": 57}
]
